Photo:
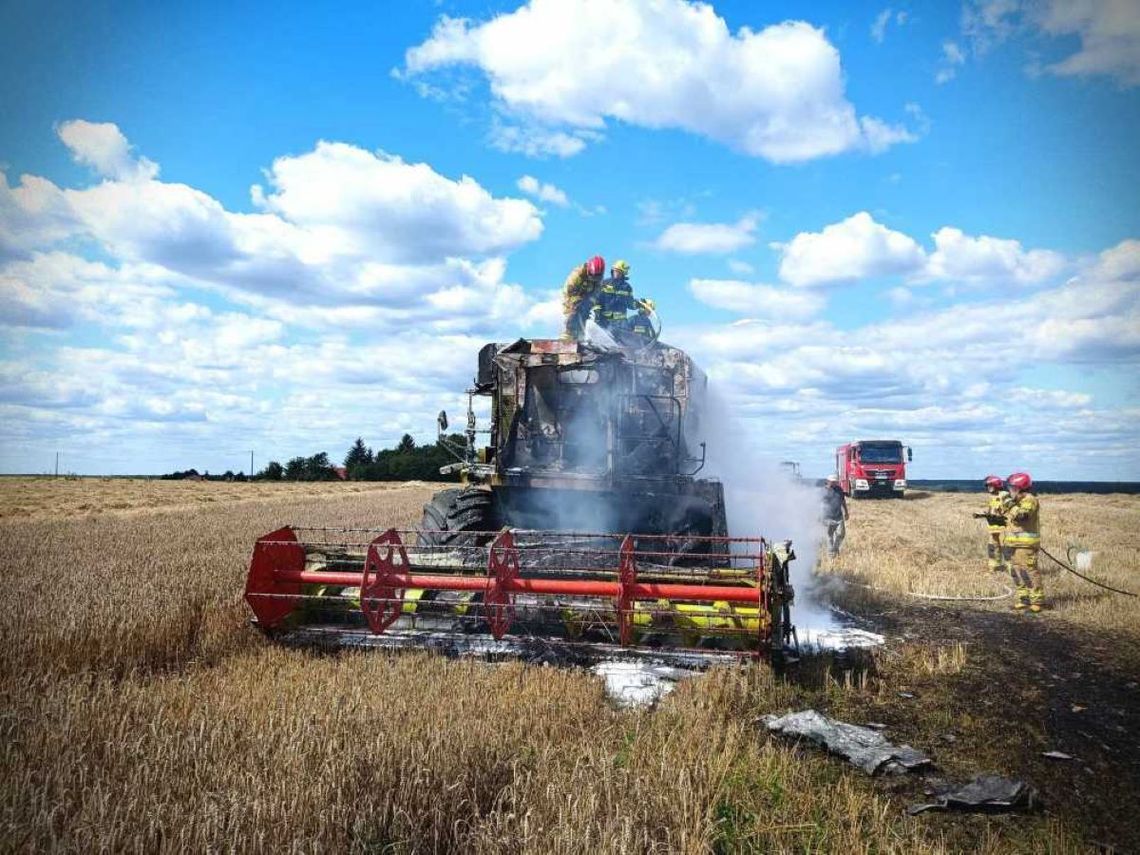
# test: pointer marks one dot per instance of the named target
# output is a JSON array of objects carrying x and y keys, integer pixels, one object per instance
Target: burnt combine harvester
[{"x": 581, "y": 531}]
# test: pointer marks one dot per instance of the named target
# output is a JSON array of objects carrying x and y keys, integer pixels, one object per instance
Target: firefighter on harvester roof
[
  {"x": 1023, "y": 540},
  {"x": 994, "y": 515},
  {"x": 615, "y": 298},
  {"x": 640, "y": 324},
  {"x": 579, "y": 294}
]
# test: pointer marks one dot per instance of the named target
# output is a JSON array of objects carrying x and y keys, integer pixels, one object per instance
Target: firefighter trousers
[
  {"x": 1026, "y": 575},
  {"x": 836, "y": 531},
  {"x": 996, "y": 553}
]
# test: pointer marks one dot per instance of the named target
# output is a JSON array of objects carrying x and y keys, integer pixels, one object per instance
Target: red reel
[
  {"x": 380, "y": 598},
  {"x": 502, "y": 568}
]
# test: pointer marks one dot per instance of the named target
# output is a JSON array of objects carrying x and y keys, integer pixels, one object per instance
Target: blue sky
[{"x": 862, "y": 219}]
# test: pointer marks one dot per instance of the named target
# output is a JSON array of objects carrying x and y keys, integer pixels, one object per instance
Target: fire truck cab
[{"x": 873, "y": 467}]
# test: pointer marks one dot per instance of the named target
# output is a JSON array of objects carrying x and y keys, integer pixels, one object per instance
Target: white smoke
[
  {"x": 598, "y": 336},
  {"x": 763, "y": 498}
]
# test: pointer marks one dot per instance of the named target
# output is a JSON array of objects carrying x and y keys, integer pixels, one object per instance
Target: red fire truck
[{"x": 872, "y": 467}]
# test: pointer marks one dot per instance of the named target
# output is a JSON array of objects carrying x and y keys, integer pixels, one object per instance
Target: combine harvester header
[{"x": 584, "y": 596}]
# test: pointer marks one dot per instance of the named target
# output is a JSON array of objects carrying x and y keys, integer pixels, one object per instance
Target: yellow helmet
[
  {"x": 647, "y": 304},
  {"x": 621, "y": 267}
]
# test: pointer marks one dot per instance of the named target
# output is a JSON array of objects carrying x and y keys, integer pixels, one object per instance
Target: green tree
[
  {"x": 318, "y": 468},
  {"x": 273, "y": 471},
  {"x": 406, "y": 444},
  {"x": 295, "y": 469},
  {"x": 358, "y": 459}
]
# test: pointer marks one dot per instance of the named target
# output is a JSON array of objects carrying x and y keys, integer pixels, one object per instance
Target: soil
[{"x": 1030, "y": 684}]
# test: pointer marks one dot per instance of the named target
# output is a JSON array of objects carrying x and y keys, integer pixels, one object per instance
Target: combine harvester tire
[{"x": 459, "y": 518}]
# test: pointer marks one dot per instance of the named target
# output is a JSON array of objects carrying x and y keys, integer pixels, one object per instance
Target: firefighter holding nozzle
[
  {"x": 641, "y": 324},
  {"x": 994, "y": 515}
]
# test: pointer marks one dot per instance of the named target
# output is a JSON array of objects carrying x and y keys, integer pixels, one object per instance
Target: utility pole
[
  {"x": 251, "y": 464},
  {"x": 57, "y": 464}
]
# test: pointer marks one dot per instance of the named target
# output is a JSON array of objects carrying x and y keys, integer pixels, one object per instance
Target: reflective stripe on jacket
[
  {"x": 639, "y": 325},
  {"x": 615, "y": 298}
]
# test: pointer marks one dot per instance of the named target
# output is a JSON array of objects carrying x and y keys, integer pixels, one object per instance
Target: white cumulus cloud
[
  {"x": 860, "y": 248},
  {"x": 943, "y": 381},
  {"x": 344, "y": 237},
  {"x": 1108, "y": 32},
  {"x": 856, "y": 248},
  {"x": 536, "y": 141},
  {"x": 776, "y": 93},
  {"x": 542, "y": 191},
  {"x": 314, "y": 332},
  {"x": 102, "y": 146},
  {"x": 960, "y": 257},
  {"x": 34, "y": 213},
  {"x": 376, "y": 203},
  {"x": 756, "y": 300},
  {"x": 696, "y": 238}
]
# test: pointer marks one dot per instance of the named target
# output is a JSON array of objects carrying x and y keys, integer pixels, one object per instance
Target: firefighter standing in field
[
  {"x": 994, "y": 515},
  {"x": 1023, "y": 539},
  {"x": 579, "y": 294},
  {"x": 835, "y": 514}
]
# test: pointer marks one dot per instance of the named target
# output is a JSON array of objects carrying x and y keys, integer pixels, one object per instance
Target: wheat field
[
  {"x": 139, "y": 712},
  {"x": 42, "y": 498},
  {"x": 930, "y": 544}
]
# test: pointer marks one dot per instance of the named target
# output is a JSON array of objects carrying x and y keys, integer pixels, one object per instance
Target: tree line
[
  {"x": 195, "y": 475},
  {"x": 406, "y": 462}
]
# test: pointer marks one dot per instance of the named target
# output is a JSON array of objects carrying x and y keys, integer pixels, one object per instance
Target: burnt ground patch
[{"x": 1025, "y": 685}]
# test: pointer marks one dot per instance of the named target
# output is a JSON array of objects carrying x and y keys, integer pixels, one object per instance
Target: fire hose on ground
[
  {"x": 1079, "y": 575},
  {"x": 1008, "y": 593}
]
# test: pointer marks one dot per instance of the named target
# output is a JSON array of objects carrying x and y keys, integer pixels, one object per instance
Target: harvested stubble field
[
  {"x": 37, "y": 498},
  {"x": 138, "y": 710}
]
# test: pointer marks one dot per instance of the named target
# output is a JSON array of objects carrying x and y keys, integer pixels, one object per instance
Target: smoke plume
[{"x": 764, "y": 498}]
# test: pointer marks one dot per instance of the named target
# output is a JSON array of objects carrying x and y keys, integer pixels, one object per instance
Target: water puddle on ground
[
  {"x": 640, "y": 684},
  {"x": 836, "y": 638}
]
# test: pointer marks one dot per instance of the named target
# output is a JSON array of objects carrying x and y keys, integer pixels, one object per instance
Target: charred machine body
[{"x": 583, "y": 439}]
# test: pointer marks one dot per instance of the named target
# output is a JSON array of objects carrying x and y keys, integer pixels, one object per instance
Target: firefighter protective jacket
[
  {"x": 1024, "y": 527},
  {"x": 615, "y": 298},
  {"x": 639, "y": 325},
  {"x": 996, "y": 507},
  {"x": 577, "y": 291}
]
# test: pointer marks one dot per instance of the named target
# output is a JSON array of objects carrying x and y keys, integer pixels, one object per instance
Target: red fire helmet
[
  {"x": 1020, "y": 480},
  {"x": 596, "y": 266},
  {"x": 994, "y": 481}
]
